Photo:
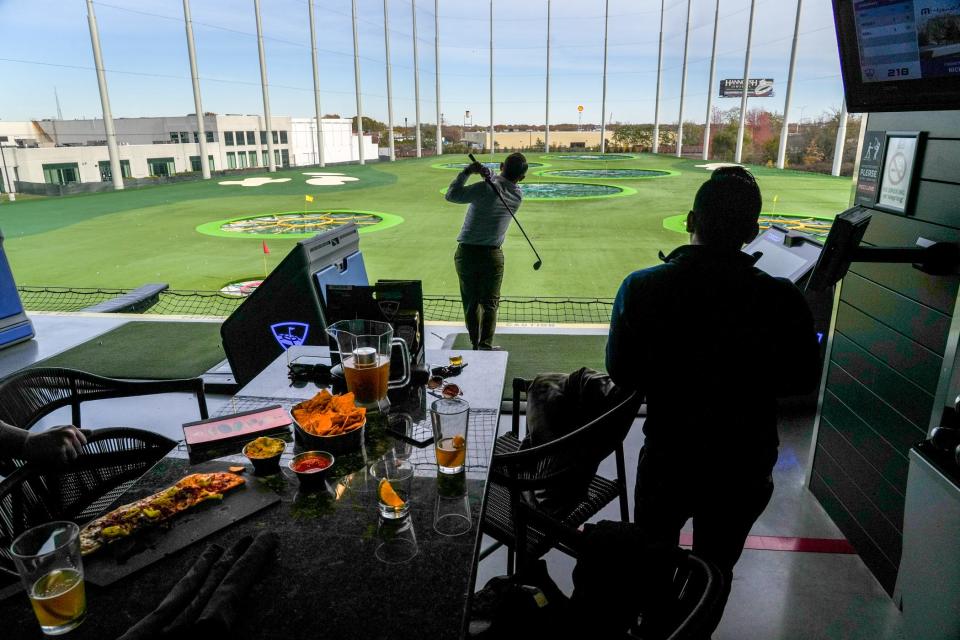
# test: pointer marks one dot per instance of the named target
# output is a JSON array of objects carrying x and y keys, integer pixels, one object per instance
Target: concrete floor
[{"x": 775, "y": 594}]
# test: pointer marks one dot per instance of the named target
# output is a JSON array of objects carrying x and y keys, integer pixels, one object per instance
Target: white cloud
[{"x": 254, "y": 182}]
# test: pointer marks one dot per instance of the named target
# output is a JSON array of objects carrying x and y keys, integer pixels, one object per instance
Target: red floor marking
[{"x": 785, "y": 543}]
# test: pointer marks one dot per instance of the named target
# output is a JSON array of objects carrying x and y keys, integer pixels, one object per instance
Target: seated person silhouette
[{"x": 711, "y": 342}]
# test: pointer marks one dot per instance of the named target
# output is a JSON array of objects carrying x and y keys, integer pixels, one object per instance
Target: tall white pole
[
  {"x": 268, "y": 122},
  {"x": 356, "y": 81},
  {"x": 436, "y": 63},
  {"x": 683, "y": 83},
  {"x": 316, "y": 86},
  {"x": 603, "y": 108},
  {"x": 656, "y": 109},
  {"x": 416, "y": 76},
  {"x": 115, "y": 171},
  {"x": 841, "y": 140},
  {"x": 713, "y": 79},
  {"x": 386, "y": 45},
  {"x": 546, "y": 128},
  {"x": 746, "y": 85},
  {"x": 785, "y": 130},
  {"x": 198, "y": 107},
  {"x": 492, "y": 145}
]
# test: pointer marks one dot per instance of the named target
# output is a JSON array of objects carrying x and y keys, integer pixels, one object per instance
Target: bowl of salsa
[{"x": 312, "y": 467}]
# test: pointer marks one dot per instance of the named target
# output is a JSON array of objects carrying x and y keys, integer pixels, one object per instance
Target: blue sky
[{"x": 46, "y": 44}]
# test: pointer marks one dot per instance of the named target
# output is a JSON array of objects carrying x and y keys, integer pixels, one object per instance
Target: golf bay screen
[{"x": 908, "y": 39}]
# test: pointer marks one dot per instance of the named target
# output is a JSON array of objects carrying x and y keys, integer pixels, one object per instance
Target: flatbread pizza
[{"x": 160, "y": 507}]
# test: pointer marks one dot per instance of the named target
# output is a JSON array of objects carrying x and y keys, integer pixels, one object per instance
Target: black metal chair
[
  {"x": 511, "y": 516},
  {"x": 111, "y": 461},
  {"x": 30, "y": 394}
]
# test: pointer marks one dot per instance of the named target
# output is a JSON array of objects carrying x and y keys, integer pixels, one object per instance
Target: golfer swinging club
[{"x": 479, "y": 259}]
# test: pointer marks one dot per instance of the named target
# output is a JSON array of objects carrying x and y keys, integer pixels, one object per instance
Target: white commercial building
[
  {"x": 339, "y": 142},
  {"x": 69, "y": 151}
]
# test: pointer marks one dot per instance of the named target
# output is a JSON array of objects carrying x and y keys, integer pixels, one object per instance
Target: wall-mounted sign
[
  {"x": 758, "y": 88},
  {"x": 899, "y": 162},
  {"x": 871, "y": 162}
]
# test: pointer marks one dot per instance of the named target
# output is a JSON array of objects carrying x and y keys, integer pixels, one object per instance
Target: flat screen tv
[{"x": 899, "y": 55}]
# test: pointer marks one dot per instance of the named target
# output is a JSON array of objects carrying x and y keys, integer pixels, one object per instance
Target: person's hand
[
  {"x": 59, "y": 444},
  {"x": 474, "y": 167}
]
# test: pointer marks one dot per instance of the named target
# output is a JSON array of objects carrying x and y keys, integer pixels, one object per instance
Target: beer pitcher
[{"x": 364, "y": 347}]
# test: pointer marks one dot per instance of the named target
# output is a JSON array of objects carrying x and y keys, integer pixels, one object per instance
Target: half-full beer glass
[
  {"x": 364, "y": 347},
  {"x": 49, "y": 564},
  {"x": 450, "y": 418}
]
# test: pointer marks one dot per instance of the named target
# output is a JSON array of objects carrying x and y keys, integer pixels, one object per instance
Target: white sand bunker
[
  {"x": 254, "y": 182},
  {"x": 717, "y": 165},
  {"x": 326, "y": 179}
]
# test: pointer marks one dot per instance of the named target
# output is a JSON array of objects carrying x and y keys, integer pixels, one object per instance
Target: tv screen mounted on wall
[{"x": 899, "y": 55}]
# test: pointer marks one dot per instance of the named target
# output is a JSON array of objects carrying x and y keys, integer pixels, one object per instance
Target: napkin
[
  {"x": 192, "y": 609},
  {"x": 224, "y": 607},
  {"x": 150, "y": 626}
]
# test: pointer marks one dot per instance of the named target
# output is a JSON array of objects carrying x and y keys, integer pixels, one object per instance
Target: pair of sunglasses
[{"x": 447, "y": 390}]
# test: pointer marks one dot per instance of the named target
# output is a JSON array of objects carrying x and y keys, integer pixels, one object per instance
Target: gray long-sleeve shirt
[{"x": 487, "y": 220}]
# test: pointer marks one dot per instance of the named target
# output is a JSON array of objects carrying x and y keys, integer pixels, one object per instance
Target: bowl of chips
[{"x": 329, "y": 422}]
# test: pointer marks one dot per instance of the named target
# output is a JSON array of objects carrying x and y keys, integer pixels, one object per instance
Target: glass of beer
[
  {"x": 364, "y": 348},
  {"x": 450, "y": 418},
  {"x": 49, "y": 564}
]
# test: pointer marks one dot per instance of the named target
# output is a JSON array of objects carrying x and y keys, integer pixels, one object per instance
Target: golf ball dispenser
[
  {"x": 288, "y": 308},
  {"x": 15, "y": 327}
]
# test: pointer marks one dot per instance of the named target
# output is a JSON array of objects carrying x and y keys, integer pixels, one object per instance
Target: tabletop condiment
[
  {"x": 264, "y": 447},
  {"x": 311, "y": 465}
]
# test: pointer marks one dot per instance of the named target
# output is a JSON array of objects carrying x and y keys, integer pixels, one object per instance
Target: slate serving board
[{"x": 122, "y": 558}]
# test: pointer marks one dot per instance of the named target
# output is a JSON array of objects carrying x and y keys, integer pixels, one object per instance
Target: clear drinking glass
[
  {"x": 48, "y": 561},
  {"x": 396, "y": 541},
  {"x": 451, "y": 512},
  {"x": 450, "y": 418},
  {"x": 394, "y": 477}
]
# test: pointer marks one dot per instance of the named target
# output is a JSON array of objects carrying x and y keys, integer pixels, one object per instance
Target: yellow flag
[{"x": 308, "y": 198}]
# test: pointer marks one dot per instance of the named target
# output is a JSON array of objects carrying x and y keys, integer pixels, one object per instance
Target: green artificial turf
[
  {"x": 124, "y": 239},
  {"x": 146, "y": 351},
  {"x": 532, "y": 353}
]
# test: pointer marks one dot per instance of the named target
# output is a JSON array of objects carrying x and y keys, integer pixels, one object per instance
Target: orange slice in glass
[{"x": 388, "y": 496}]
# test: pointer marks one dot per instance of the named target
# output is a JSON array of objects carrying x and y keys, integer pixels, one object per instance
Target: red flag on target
[{"x": 266, "y": 249}]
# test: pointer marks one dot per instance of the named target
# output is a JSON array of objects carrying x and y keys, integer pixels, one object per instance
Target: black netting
[
  {"x": 64, "y": 298},
  {"x": 214, "y": 303}
]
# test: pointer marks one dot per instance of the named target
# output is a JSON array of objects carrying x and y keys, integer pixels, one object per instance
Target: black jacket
[{"x": 712, "y": 342}]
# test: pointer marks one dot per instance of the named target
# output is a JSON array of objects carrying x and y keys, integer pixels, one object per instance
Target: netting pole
[
  {"x": 492, "y": 145},
  {"x": 746, "y": 85},
  {"x": 436, "y": 66},
  {"x": 603, "y": 108},
  {"x": 785, "y": 129},
  {"x": 841, "y": 139},
  {"x": 683, "y": 83},
  {"x": 713, "y": 78},
  {"x": 386, "y": 46},
  {"x": 655, "y": 145},
  {"x": 546, "y": 128},
  {"x": 316, "y": 86},
  {"x": 267, "y": 121},
  {"x": 198, "y": 107},
  {"x": 356, "y": 80},
  {"x": 416, "y": 77},
  {"x": 115, "y": 170}
]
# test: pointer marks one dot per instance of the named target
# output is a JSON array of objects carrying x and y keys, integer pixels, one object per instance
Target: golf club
[{"x": 486, "y": 178}]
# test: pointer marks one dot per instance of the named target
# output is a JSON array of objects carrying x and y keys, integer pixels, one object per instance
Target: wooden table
[{"x": 327, "y": 581}]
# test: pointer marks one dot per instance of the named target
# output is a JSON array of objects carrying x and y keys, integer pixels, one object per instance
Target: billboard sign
[{"x": 758, "y": 88}]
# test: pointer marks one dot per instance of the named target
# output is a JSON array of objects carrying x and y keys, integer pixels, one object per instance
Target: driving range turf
[{"x": 125, "y": 239}]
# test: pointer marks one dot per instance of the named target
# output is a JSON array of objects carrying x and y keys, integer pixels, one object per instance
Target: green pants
[{"x": 480, "y": 270}]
